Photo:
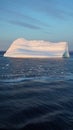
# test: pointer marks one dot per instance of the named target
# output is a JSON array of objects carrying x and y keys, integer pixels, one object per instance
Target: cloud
[
  {"x": 23, "y": 24},
  {"x": 53, "y": 8},
  {"x": 22, "y": 16}
]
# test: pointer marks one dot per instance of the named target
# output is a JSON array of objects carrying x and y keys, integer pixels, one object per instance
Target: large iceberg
[{"x": 22, "y": 48}]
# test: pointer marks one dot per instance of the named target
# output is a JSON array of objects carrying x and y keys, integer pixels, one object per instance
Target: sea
[{"x": 36, "y": 94}]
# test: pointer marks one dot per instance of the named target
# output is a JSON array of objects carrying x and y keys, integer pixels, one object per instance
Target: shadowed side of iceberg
[{"x": 22, "y": 48}]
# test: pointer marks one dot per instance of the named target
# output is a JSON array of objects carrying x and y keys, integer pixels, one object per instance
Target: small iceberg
[{"x": 22, "y": 48}]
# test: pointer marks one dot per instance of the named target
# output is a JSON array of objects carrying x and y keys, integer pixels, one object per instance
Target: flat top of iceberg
[{"x": 37, "y": 48}]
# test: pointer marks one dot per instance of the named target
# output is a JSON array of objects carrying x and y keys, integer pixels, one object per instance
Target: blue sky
[{"x": 50, "y": 20}]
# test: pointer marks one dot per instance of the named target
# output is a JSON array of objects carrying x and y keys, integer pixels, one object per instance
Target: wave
[{"x": 42, "y": 79}]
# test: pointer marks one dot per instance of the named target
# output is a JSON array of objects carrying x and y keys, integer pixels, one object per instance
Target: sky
[{"x": 50, "y": 20}]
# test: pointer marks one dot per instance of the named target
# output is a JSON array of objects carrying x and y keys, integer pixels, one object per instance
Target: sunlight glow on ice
[{"x": 22, "y": 48}]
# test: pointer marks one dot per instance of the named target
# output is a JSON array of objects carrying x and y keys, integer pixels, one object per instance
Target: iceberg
[{"x": 22, "y": 48}]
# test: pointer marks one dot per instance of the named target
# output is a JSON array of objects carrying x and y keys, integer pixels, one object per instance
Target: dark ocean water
[{"x": 36, "y": 94}]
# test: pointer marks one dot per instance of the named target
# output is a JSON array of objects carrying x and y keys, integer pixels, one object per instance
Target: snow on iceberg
[{"x": 22, "y": 48}]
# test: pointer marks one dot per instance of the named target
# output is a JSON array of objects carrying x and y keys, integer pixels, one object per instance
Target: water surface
[{"x": 36, "y": 94}]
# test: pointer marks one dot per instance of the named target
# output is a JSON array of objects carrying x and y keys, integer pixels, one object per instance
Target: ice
[{"x": 22, "y": 48}]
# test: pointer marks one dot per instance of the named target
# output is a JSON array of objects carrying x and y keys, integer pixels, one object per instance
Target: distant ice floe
[{"x": 22, "y": 48}]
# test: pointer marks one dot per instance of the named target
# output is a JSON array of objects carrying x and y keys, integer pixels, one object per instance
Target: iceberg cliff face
[{"x": 22, "y": 48}]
